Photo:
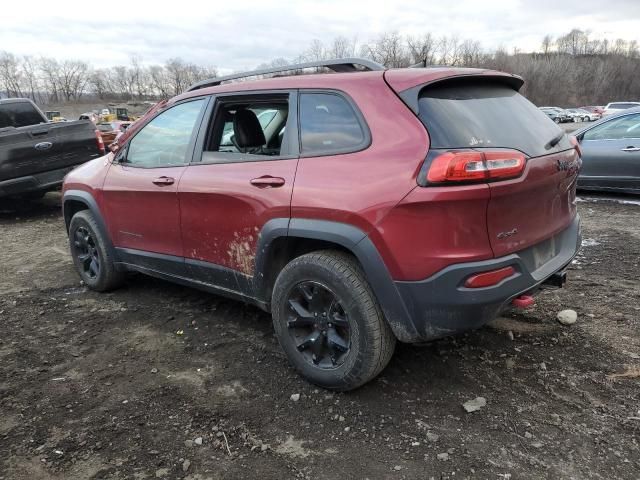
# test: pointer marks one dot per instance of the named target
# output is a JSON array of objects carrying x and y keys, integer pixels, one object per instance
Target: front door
[
  {"x": 140, "y": 190},
  {"x": 241, "y": 178}
]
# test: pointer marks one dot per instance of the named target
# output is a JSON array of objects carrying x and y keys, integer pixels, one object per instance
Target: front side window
[
  {"x": 165, "y": 140},
  {"x": 328, "y": 124},
  {"x": 616, "y": 129}
]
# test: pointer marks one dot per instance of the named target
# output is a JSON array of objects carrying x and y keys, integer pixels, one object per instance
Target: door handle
[
  {"x": 163, "y": 181},
  {"x": 43, "y": 146},
  {"x": 267, "y": 181},
  {"x": 631, "y": 149}
]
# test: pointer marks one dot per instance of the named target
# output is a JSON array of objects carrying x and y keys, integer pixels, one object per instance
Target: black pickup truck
[{"x": 35, "y": 154}]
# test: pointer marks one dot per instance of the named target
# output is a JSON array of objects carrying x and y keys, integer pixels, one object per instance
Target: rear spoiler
[{"x": 409, "y": 86}]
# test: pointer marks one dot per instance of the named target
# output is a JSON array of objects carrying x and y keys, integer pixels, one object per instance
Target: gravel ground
[{"x": 159, "y": 381}]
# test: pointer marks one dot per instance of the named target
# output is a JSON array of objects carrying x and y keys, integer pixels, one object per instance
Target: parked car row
[
  {"x": 561, "y": 115},
  {"x": 589, "y": 113}
]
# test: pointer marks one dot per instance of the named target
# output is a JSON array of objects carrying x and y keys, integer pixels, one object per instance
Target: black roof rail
[{"x": 337, "y": 65}]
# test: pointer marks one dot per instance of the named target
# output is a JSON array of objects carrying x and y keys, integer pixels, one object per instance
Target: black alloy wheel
[
  {"x": 86, "y": 252},
  {"x": 318, "y": 324}
]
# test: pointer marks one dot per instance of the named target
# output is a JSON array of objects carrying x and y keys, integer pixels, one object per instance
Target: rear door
[
  {"x": 611, "y": 154},
  {"x": 241, "y": 178},
  {"x": 486, "y": 117},
  {"x": 140, "y": 189}
]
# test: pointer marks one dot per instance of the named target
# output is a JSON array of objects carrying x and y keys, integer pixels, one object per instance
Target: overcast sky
[{"x": 239, "y": 34}]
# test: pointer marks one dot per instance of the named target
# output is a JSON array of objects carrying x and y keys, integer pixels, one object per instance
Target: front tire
[
  {"x": 329, "y": 322},
  {"x": 91, "y": 255}
]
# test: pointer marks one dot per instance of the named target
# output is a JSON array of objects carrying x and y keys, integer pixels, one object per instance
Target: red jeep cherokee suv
[{"x": 358, "y": 207}]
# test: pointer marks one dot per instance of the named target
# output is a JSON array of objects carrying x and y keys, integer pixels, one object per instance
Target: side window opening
[
  {"x": 164, "y": 141},
  {"x": 328, "y": 124},
  {"x": 249, "y": 127}
]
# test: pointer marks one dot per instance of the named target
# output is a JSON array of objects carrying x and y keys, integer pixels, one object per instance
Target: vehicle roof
[{"x": 400, "y": 79}]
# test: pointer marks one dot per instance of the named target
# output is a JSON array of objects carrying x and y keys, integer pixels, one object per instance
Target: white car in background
[
  {"x": 617, "y": 107},
  {"x": 582, "y": 115}
]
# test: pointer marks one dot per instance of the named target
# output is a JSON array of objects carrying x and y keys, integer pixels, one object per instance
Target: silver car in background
[
  {"x": 611, "y": 153},
  {"x": 617, "y": 107}
]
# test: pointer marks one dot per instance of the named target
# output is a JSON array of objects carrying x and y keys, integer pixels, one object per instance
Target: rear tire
[
  {"x": 91, "y": 255},
  {"x": 557, "y": 120},
  {"x": 329, "y": 322}
]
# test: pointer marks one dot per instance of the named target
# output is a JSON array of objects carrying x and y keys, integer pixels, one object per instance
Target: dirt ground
[{"x": 159, "y": 381}]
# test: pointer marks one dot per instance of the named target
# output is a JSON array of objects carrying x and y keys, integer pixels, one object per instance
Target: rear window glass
[
  {"x": 19, "y": 114},
  {"x": 468, "y": 115}
]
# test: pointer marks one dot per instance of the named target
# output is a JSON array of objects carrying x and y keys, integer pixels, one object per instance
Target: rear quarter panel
[
  {"x": 360, "y": 188},
  {"x": 434, "y": 227}
]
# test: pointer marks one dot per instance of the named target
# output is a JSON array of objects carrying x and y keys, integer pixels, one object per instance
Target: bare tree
[
  {"x": 314, "y": 53},
  {"x": 159, "y": 81},
  {"x": 72, "y": 78},
  {"x": 389, "y": 50},
  {"x": 547, "y": 45},
  {"x": 449, "y": 49},
  {"x": 341, "y": 47},
  {"x": 10, "y": 74},
  {"x": 49, "y": 70},
  {"x": 422, "y": 49}
]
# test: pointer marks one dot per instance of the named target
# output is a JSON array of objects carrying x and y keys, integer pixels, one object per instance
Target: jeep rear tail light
[
  {"x": 487, "y": 279},
  {"x": 476, "y": 166},
  {"x": 100, "y": 142}
]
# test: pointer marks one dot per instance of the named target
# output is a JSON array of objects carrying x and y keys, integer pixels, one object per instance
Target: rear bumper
[
  {"x": 31, "y": 183},
  {"x": 441, "y": 305}
]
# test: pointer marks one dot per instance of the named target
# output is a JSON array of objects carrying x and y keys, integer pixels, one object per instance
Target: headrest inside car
[{"x": 247, "y": 130}]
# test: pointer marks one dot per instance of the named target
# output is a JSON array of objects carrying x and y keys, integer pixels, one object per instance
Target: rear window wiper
[{"x": 554, "y": 141}]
